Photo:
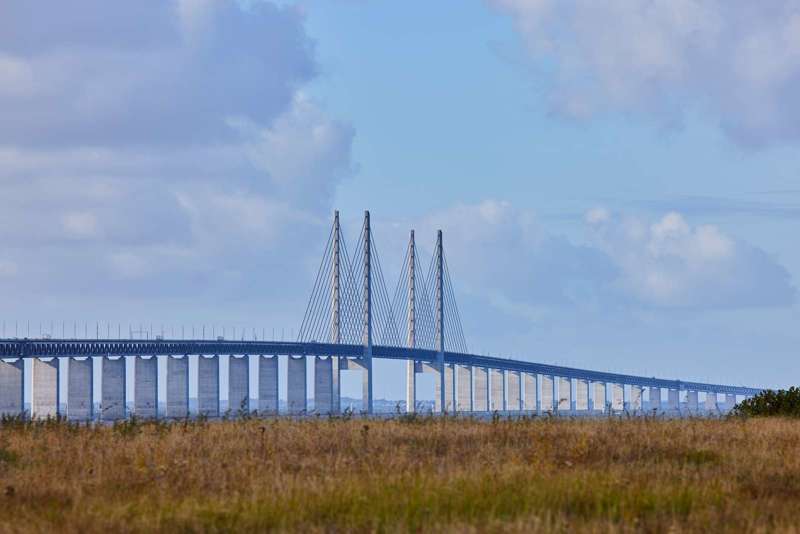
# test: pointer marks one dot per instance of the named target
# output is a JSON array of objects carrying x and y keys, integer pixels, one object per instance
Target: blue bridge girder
[{"x": 46, "y": 348}]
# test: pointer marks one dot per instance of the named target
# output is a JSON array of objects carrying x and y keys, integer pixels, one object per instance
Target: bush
[{"x": 785, "y": 402}]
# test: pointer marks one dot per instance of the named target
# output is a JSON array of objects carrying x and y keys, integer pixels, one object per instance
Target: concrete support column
[
  {"x": 145, "y": 387},
  {"x": 617, "y": 397},
  {"x": 79, "y": 389},
  {"x": 547, "y": 394},
  {"x": 208, "y": 386},
  {"x": 691, "y": 401},
  {"x": 464, "y": 379},
  {"x": 655, "y": 399},
  {"x": 564, "y": 394},
  {"x": 239, "y": 384},
  {"x": 366, "y": 385},
  {"x": 449, "y": 388},
  {"x": 497, "y": 390},
  {"x": 581, "y": 395},
  {"x": 673, "y": 400},
  {"x": 514, "y": 403},
  {"x": 555, "y": 394},
  {"x": 411, "y": 386},
  {"x": 44, "y": 397},
  {"x": 296, "y": 385},
  {"x": 268, "y": 384},
  {"x": 711, "y": 402},
  {"x": 177, "y": 387},
  {"x": 636, "y": 399},
  {"x": 323, "y": 385},
  {"x": 730, "y": 401},
  {"x": 113, "y": 387},
  {"x": 481, "y": 389},
  {"x": 531, "y": 397},
  {"x": 599, "y": 398},
  {"x": 12, "y": 378},
  {"x": 336, "y": 385}
]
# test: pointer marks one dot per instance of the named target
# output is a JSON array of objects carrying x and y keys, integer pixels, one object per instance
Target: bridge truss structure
[{"x": 352, "y": 317}]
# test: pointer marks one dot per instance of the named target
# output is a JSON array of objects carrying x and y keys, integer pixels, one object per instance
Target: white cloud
[
  {"x": 168, "y": 145},
  {"x": 735, "y": 60},
  {"x": 510, "y": 261},
  {"x": 671, "y": 263},
  {"x": 80, "y": 225}
]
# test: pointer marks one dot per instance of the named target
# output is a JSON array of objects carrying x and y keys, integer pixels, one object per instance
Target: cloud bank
[
  {"x": 159, "y": 149},
  {"x": 625, "y": 263},
  {"x": 733, "y": 60}
]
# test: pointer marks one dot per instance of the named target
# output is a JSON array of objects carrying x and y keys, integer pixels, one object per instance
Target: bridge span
[{"x": 350, "y": 307}]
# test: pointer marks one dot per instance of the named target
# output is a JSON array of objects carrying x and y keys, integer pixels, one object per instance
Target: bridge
[{"x": 351, "y": 319}]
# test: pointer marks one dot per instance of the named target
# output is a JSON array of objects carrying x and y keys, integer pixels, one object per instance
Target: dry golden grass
[{"x": 401, "y": 475}]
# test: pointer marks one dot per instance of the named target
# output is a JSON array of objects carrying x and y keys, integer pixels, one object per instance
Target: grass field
[{"x": 409, "y": 474}]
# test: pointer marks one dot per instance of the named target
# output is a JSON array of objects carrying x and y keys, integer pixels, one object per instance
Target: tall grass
[{"x": 409, "y": 474}]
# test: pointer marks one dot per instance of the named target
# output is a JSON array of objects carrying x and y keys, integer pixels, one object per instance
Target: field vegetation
[
  {"x": 408, "y": 474},
  {"x": 782, "y": 402}
]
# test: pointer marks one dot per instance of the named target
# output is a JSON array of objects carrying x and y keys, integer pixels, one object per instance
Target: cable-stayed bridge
[{"x": 352, "y": 317}]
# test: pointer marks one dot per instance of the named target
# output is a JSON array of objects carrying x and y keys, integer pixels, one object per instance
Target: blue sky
[{"x": 617, "y": 182}]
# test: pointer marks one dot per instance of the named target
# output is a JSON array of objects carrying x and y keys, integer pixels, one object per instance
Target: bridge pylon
[
  {"x": 439, "y": 296},
  {"x": 411, "y": 325},
  {"x": 336, "y": 313},
  {"x": 367, "y": 314}
]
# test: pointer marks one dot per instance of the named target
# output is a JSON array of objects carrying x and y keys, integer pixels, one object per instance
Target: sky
[{"x": 617, "y": 182}]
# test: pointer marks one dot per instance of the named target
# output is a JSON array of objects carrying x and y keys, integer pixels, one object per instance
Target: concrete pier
[
  {"x": 481, "y": 389},
  {"x": 617, "y": 394},
  {"x": 145, "y": 387},
  {"x": 449, "y": 391},
  {"x": 208, "y": 386},
  {"x": 323, "y": 385},
  {"x": 673, "y": 401},
  {"x": 530, "y": 401},
  {"x": 691, "y": 402},
  {"x": 547, "y": 393},
  {"x": 730, "y": 401},
  {"x": 44, "y": 397},
  {"x": 352, "y": 364},
  {"x": 239, "y": 385},
  {"x": 655, "y": 399},
  {"x": 564, "y": 394},
  {"x": 268, "y": 384},
  {"x": 411, "y": 386},
  {"x": 711, "y": 402},
  {"x": 514, "y": 403},
  {"x": 464, "y": 385},
  {"x": 177, "y": 387},
  {"x": 582, "y": 395},
  {"x": 497, "y": 390},
  {"x": 449, "y": 388},
  {"x": 636, "y": 399},
  {"x": 599, "y": 397},
  {"x": 296, "y": 385},
  {"x": 79, "y": 389},
  {"x": 12, "y": 378},
  {"x": 112, "y": 388}
]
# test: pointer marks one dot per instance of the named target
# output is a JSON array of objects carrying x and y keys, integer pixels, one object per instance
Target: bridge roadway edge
[{"x": 47, "y": 348}]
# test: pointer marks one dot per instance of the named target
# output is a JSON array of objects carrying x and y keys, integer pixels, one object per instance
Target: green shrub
[{"x": 783, "y": 402}]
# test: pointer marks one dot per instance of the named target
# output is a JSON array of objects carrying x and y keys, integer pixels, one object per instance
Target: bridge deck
[{"x": 44, "y": 348}]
